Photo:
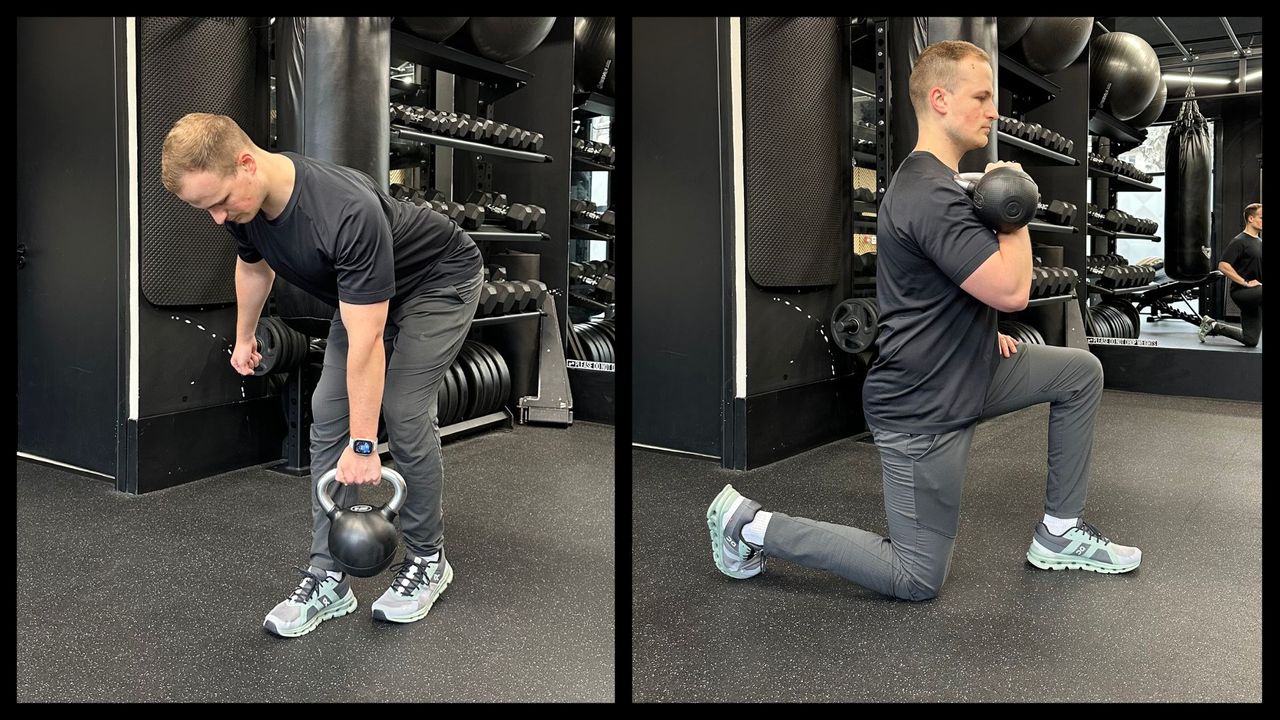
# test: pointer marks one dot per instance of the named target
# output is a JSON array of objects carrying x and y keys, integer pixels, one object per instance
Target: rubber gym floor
[
  {"x": 1180, "y": 478},
  {"x": 161, "y": 597}
]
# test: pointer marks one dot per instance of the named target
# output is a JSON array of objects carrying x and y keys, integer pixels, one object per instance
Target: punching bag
[
  {"x": 1186, "y": 197},
  {"x": 333, "y": 102}
]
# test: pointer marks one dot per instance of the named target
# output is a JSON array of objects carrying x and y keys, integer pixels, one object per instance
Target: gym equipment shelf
[
  {"x": 495, "y": 233},
  {"x": 581, "y": 162},
  {"x": 503, "y": 319},
  {"x": 400, "y": 132},
  {"x": 1104, "y": 124},
  {"x": 1137, "y": 185},
  {"x": 1095, "y": 230},
  {"x": 495, "y": 78},
  {"x": 1050, "y": 300},
  {"x": 593, "y": 104},
  {"x": 581, "y": 233},
  {"x": 1121, "y": 291},
  {"x": 1025, "y": 82},
  {"x": 1018, "y": 142},
  {"x": 1050, "y": 227}
]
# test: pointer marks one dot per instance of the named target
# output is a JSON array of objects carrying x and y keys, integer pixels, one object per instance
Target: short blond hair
[
  {"x": 936, "y": 67},
  {"x": 1250, "y": 211},
  {"x": 201, "y": 142}
]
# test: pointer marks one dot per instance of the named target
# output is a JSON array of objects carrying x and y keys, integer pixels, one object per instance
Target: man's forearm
[
  {"x": 1231, "y": 273},
  {"x": 366, "y": 375},
  {"x": 1015, "y": 249},
  {"x": 252, "y": 289}
]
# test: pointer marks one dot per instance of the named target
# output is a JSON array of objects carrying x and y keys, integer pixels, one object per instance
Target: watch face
[{"x": 364, "y": 447}]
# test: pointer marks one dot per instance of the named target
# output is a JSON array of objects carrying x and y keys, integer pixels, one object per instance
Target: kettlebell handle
[{"x": 389, "y": 510}]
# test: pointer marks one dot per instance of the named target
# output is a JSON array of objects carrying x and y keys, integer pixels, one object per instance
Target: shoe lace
[
  {"x": 410, "y": 576},
  {"x": 1092, "y": 531},
  {"x": 309, "y": 586}
]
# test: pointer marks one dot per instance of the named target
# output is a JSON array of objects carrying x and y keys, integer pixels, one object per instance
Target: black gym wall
[
  {"x": 1237, "y": 179},
  {"x": 681, "y": 226},
  {"x": 69, "y": 190},
  {"x": 193, "y": 416}
]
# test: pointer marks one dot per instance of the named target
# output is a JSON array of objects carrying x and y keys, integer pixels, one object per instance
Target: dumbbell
[
  {"x": 606, "y": 153},
  {"x": 496, "y": 299},
  {"x": 532, "y": 143},
  {"x": 400, "y": 192},
  {"x": 863, "y": 195},
  {"x": 495, "y": 273},
  {"x": 580, "y": 207},
  {"x": 520, "y": 294},
  {"x": 602, "y": 221},
  {"x": 1005, "y": 199},
  {"x": 517, "y": 217},
  {"x": 539, "y": 291},
  {"x": 1057, "y": 212},
  {"x": 605, "y": 286}
]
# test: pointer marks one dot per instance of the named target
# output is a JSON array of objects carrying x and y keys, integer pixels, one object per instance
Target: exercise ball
[
  {"x": 437, "y": 29},
  {"x": 1154, "y": 108},
  {"x": 593, "y": 53},
  {"x": 1010, "y": 30},
  {"x": 1124, "y": 74},
  {"x": 503, "y": 39},
  {"x": 1053, "y": 43}
]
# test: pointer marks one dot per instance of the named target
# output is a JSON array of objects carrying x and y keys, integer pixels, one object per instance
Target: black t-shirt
[
  {"x": 1244, "y": 254},
  {"x": 342, "y": 238},
  {"x": 937, "y": 343}
]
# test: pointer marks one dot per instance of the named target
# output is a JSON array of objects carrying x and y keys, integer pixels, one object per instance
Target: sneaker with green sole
[
  {"x": 1081, "y": 548},
  {"x": 726, "y": 516},
  {"x": 316, "y": 599},
  {"x": 415, "y": 588}
]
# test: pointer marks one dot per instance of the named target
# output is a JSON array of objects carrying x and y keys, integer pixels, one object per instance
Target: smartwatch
[{"x": 363, "y": 447}]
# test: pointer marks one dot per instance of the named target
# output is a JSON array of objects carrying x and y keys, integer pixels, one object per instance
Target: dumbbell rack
[
  {"x": 593, "y": 383},
  {"x": 1111, "y": 137},
  {"x": 1031, "y": 97},
  {"x": 477, "y": 85},
  {"x": 402, "y": 132}
]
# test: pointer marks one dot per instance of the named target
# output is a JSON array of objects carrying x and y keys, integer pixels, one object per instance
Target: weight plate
[
  {"x": 491, "y": 379},
  {"x": 479, "y": 380},
  {"x": 853, "y": 325},
  {"x": 464, "y": 392},
  {"x": 504, "y": 377},
  {"x": 471, "y": 372},
  {"x": 495, "y": 384},
  {"x": 445, "y": 396},
  {"x": 1131, "y": 314}
]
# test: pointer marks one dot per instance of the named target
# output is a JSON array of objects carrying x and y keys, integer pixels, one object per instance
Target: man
[
  {"x": 1242, "y": 264},
  {"x": 942, "y": 276},
  {"x": 405, "y": 281}
]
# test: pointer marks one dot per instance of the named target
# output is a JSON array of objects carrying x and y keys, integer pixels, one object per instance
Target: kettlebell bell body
[
  {"x": 362, "y": 538},
  {"x": 1004, "y": 198}
]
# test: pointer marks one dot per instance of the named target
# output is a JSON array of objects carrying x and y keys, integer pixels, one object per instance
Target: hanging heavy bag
[{"x": 1186, "y": 196}]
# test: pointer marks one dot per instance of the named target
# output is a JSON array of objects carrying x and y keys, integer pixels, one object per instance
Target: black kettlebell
[
  {"x": 362, "y": 538},
  {"x": 1005, "y": 198}
]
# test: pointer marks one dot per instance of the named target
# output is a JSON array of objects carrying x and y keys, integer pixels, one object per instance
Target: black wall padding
[
  {"x": 797, "y": 109},
  {"x": 189, "y": 65}
]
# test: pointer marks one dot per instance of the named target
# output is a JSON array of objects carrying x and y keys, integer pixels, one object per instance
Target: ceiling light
[{"x": 1197, "y": 80}]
